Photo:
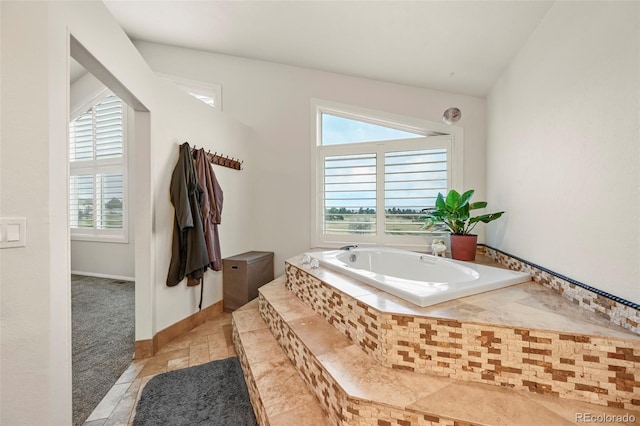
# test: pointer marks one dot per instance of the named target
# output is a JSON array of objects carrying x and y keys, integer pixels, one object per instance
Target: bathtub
[{"x": 418, "y": 278}]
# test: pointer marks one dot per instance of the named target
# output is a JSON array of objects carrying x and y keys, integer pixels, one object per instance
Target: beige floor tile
[
  {"x": 308, "y": 415},
  {"x": 158, "y": 364},
  {"x": 198, "y": 354},
  {"x": 217, "y": 339},
  {"x": 318, "y": 335},
  {"x": 571, "y": 409},
  {"x": 247, "y": 320},
  {"x": 281, "y": 388},
  {"x": 487, "y": 404},
  {"x": 109, "y": 402},
  {"x": 132, "y": 371},
  {"x": 122, "y": 412},
  {"x": 182, "y": 343},
  {"x": 260, "y": 345},
  {"x": 218, "y": 351},
  {"x": 361, "y": 377},
  {"x": 178, "y": 363},
  {"x": 99, "y": 422}
]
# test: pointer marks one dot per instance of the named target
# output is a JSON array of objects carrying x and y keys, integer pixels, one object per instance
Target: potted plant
[{"x": 454, "y": 214}]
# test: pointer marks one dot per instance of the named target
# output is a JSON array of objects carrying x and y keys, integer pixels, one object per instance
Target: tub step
[
  {"x": 354, "y": 389},
  {"x": 278, "y": 394},
  {"x": 516, "y": 338}
]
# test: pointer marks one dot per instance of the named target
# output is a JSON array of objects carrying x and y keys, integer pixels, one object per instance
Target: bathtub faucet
[{"x": 349, "y": 247}]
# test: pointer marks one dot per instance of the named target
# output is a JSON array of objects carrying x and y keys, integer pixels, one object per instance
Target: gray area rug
[
  {"x": 213, "y": 394},
  {"x": 103, "y": 337}
]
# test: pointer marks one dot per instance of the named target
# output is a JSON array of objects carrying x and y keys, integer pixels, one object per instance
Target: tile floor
[{"x": 208, "y": 342}]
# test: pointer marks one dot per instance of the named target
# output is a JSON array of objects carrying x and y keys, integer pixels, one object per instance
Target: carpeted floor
[
  {"x": 212, "y": 394},
  {"x": 103, "y": 336}
]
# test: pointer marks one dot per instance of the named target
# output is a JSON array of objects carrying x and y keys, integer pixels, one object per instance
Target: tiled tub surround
[
  {"x": 353, "y": 389},
  {"x": 616, "y": 310},
  {"x": 521, "y": 337}
]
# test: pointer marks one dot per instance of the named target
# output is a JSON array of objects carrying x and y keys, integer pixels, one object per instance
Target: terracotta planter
[{"x": 463, "y": 247}]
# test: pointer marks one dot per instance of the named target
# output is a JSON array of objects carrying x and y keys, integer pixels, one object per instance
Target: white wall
[
  {"x": 35, "y": 362},
  {"x": 202, "y": 126},
  {"x": 274, "y": 100},
  {"x": 563, "y": 147},
  {"x": 106, "y": 258}
]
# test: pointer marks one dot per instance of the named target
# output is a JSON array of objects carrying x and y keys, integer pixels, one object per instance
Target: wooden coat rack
[{"x": 221, "y": 160}]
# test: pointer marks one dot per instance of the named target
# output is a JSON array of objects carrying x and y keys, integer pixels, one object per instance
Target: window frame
[
  {"x": 435, "y": 136},
  {"x": 211, "y": 90},
  {"x": 104, "y": 166}
]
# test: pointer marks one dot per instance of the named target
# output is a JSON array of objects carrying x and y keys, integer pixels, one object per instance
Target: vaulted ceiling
[{"x": 455, "y": 46}]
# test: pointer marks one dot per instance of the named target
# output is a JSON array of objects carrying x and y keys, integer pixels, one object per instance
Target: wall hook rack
[{"x": 222, "y": 160}]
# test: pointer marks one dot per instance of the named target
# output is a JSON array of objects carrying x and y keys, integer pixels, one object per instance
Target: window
[
  {"x": 97, "y": 182},
  {"x": 209, "y": 93},
  {"x": 375, "y": 172}
]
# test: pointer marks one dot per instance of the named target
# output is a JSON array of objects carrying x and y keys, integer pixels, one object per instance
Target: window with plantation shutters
[
  {"x": 412, "y": 181},
  {"x": 374, "y": 178},
  {"x": 97, "y": 182},
  {"x": 350, "y": 194}
]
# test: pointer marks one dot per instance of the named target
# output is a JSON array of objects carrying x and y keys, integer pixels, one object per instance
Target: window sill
[{"x": 118, "y": 239}]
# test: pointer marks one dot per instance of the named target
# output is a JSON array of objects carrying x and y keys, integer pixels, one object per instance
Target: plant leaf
[
  {"x": 464, "y": 198},
  {"x": 453, "y": 200},
  {"x": 440, "y": 204},
  {"x": 478, "y": 205},
  {"x": 486, "y": 218}
]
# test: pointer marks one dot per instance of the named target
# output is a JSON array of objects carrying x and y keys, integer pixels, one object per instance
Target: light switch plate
[{"x": 13, "y": 232}]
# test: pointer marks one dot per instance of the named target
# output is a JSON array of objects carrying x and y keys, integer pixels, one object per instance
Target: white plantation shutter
[
  {"x": 81, "y": 204},
  {"x": 108, "y": 128},
  {"x": 374, "y": 192},
  {"x": 412, "y": 181},
  {"x": 81, "y": 138},
  {"x": 97, "y": 185},
  {"x": 350, "y": 194}
]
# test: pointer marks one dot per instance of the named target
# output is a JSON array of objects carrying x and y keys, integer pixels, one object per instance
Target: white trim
[
  {"x": 383, "y": 118},
  {"x": 90, "y": 102},
  {"x": 97, "y": 275},
  {"x": 99, "y": 238},
  {"x": 430, "y": 129},
  {"x": 211, "y": 90}
]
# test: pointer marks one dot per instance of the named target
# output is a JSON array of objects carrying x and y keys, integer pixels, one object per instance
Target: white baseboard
[{"x": 97, "y": 275}]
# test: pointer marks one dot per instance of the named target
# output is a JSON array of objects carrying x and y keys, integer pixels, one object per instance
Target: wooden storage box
[{"x": 242, "y": 275}]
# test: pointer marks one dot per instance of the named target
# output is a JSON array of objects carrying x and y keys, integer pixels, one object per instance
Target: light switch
[{"x": 13, "y": 232}]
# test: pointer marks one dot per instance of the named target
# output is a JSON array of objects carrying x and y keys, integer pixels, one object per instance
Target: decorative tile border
[
  {"x": 617, "y": 310},
  {"x": 584, "y": 368}
]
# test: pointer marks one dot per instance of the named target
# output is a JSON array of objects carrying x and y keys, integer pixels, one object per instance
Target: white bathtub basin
[{"x": 418, "y": 278}]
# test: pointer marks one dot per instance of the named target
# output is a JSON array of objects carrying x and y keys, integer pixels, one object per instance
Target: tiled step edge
[
  {"x": 355, "y": 390},
  {"x": 278, "y": 395}
]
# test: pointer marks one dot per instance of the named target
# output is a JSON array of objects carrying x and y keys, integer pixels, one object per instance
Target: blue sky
[{"x": 337, "y": 130}]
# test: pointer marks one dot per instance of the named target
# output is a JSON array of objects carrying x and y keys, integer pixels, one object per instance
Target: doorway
[{"x": 138, "y": 211}]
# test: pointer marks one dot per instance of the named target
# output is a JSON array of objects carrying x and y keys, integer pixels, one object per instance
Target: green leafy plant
[{"x": 454, "y": 213}]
